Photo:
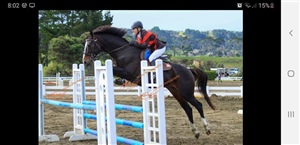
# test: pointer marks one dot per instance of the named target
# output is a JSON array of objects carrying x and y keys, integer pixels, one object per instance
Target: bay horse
[{"x": 110, "y": 40}]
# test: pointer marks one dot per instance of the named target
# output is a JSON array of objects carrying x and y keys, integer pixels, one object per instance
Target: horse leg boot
[
  {"x": 206, "y": 126},
  {"x": 195, "y": 130}
]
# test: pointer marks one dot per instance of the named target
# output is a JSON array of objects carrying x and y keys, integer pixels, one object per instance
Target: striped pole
[
  {"x": 119, "y": 139},
  {"x": 68, "y": 105},
  {"x": 138, "y": 109},
  {"x": 118, "y": 121}
]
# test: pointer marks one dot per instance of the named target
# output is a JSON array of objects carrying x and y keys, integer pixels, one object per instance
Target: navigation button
[
  {"x": 291, "y": 73},
  {"x": 291, "y": 32},
  {"x": 291, "y": 114}
]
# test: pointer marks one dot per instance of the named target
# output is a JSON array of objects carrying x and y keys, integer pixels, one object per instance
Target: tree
[
  {"x": 55, "y": 23},
  {"x": 234, "y": 43},
  {"x": 66, "y": 50}
]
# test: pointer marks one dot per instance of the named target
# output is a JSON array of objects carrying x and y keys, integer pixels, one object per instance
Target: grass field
[{"x": 228, "y": 62}]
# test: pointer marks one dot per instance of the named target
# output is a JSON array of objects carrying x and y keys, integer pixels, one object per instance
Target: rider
[{"x": 147, "y": 40}]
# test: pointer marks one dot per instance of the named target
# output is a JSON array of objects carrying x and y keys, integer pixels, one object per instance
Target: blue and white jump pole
[
  {"x": 153, "y": 134},
  {"x": 79, "y": 108}
]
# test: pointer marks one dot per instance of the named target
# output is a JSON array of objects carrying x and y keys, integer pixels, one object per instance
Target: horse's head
[
  {"x": 91, "y": 49},
  {"x": 108, "y": 40}
]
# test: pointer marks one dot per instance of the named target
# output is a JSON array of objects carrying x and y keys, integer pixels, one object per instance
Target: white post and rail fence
[{"x": 236, "y": 91}]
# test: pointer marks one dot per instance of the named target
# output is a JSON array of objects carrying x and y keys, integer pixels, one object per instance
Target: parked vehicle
[{"x": 233, "y": 71}]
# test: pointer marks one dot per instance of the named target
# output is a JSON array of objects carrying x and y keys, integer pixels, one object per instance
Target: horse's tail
[{"x": 201, "y": 82}]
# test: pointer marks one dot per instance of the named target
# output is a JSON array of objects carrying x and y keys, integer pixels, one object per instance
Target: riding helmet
[{"x": 137, "y": 24}]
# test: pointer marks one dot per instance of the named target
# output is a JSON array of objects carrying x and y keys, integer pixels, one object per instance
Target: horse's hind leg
[
  {"x": 199, "y": 107},
  {"x": 188, "y": 110}
]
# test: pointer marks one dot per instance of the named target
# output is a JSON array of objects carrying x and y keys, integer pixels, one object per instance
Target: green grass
[{"x": 228, "y": 62}]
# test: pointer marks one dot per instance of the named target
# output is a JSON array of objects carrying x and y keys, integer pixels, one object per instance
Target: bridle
[{"x": 90, "y": 52}]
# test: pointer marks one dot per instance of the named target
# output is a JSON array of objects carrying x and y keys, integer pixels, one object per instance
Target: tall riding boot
[{"x": 152, "y": 63}]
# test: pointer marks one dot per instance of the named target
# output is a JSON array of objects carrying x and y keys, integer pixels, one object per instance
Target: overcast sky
[{"x": 179, "y": 20}]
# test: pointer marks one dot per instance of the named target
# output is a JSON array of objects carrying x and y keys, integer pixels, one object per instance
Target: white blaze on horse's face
[{"x": 86, "y": 58}]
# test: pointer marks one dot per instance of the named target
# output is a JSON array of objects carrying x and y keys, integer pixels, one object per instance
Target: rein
[{"x": 112, "y": 50}]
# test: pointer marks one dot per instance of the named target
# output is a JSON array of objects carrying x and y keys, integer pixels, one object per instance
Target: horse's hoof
[
  {"x": 208, "y": 132},
  {"x": 207, "y": 129},
  {"x": 197, "y": 135}
]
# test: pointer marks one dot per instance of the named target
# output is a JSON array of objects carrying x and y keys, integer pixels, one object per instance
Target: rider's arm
[{"x": 145, "y": 45}]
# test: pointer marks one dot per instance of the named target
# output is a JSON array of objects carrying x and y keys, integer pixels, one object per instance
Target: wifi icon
[{"x": 247, "y": 5}]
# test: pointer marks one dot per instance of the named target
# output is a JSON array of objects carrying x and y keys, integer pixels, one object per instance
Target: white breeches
[{"x": 156, "y": 53}]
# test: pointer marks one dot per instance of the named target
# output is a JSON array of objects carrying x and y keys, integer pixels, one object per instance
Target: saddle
[{"x": 166, "y": 64}]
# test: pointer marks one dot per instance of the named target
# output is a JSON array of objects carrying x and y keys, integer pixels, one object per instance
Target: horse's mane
[{"x": 108, "y": 29}]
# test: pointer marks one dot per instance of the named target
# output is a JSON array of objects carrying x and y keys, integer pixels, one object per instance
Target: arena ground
[{"x": 226, "y": 124}]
